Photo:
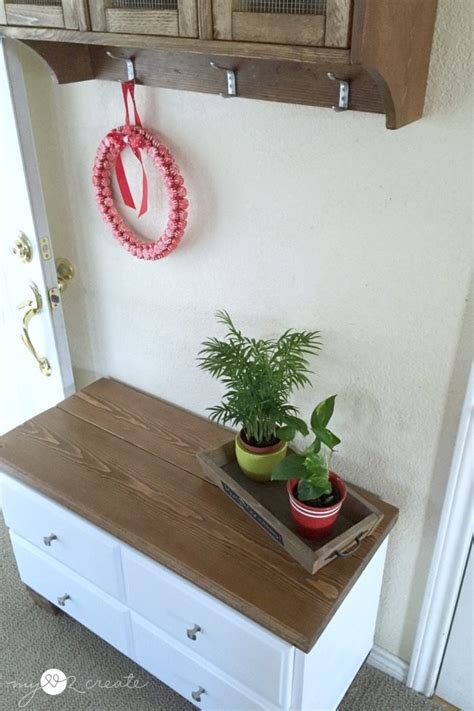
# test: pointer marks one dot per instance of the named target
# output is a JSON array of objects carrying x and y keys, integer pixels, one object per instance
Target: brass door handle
[
  {"x": 33, "y": 306},
  {"x": 65, "y": 271}
]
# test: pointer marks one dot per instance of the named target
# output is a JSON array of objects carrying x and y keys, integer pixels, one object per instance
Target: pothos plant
[
  {"x": 259, "y": 377},
  {"x": 312, "y": 467}
]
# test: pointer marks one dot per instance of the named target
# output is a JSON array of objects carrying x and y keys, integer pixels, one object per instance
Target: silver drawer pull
[
  {"x": 62, "y": 600},
  {"x": 193, "y": 632},
  {"x": 197, "y": 694},
  {"x": 47, "y": 539}
]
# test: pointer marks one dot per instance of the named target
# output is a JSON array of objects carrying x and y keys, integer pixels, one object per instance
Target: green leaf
[
  {"x": 327, "y": 437},
  {"x": 313, "y": 488},
  {"x": 297, "y": 423},
  {"x": 315, "y": 465},
  {"x": 313, "y": 448},
  {"x": 305, "y": 491},
  {"x": 286, "y": 434},
  {"x": 289, "y": 468},
  {"x": 322, "y": 413}
]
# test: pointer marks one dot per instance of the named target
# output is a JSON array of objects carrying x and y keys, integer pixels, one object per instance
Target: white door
[
  {"x": 35, "y": 366},
  {"x": 455, "y": 683}
]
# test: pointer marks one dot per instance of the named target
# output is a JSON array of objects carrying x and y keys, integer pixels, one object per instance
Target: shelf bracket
[
  {"x": 343, "y": 104},
  {"x": 131, "y": 76},
  {"x": 231, "y": 80}
]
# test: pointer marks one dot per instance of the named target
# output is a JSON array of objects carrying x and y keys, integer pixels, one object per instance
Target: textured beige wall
[{"x": 299, "y": 217}]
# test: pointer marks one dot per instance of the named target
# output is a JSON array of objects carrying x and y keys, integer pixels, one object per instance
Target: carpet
[{"x": 33, "y": 640}]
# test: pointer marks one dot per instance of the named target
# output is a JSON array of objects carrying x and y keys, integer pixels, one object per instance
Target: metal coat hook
[
  {"x": 343, "y": 93},
  {"x": 231, "y": 80},
  {"x": 131, "y": 76}
]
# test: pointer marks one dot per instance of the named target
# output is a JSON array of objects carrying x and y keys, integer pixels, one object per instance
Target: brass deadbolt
[{"x": 22, "y": 248}]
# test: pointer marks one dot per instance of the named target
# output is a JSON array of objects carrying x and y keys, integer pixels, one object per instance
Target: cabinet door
[
  {"x": 69, "y": 14},
  {"x": 175, "y": 18},
  {"x": 319, "y": 23}
]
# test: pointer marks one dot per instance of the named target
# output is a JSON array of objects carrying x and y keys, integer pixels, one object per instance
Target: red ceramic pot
[{"x": 313, "y": 522}]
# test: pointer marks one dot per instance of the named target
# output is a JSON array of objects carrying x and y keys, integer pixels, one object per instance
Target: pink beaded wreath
[{"x": 108, "y": 155}]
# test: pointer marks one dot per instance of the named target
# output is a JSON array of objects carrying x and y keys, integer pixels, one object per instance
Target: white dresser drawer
[
  {"x": 241, "y": 648},
  {"x": 156, "y": 653},
  {"x": 77, "y": 543},
  {"x": 87, "y": 604}
]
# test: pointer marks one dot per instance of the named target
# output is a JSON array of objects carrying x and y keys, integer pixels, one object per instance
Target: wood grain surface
[
  {"x": 34, "y": 15},
  {"x": 393, "y": 40},
  {"x": 272, "y": 80},
  {"x": 205, "y": 19},
  {"x": 250, "y": 50},
  {"x": 167, "y": 431},
  {"x": 188, "y": 18},
  {"x": 222, "y": 19},
  {"x": 71, "y": 64},
  {"x": 81, "y": 454},
  {"x": 338, "y": 23},
  {"x": 97, "y": 14},
  {"x": 76, "y": 15},
  {"x": 260, "y": 74}
]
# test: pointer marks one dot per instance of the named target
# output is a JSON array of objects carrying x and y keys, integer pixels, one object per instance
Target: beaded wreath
[{"x": 108, "y": 157}]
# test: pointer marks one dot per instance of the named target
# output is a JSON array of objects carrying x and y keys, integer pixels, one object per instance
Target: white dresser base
[{"x": 148, "y": 612}]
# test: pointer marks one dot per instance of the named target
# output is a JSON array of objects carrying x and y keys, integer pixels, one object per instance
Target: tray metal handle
[{"x": 355, "y": 545}]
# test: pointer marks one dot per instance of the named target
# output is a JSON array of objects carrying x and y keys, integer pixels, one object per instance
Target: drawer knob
[
  {"x": 193, "y": 632},
  {"x": 62, "y": 600},
  {"x": 47, "y": 539},
  {"x": 197, "y": 694}
]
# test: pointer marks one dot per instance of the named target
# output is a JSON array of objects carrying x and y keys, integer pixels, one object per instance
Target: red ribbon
[{"x": 128, "y": 89}]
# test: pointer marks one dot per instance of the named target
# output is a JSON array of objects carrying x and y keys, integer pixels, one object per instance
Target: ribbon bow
[{"x": 135, "y": 143}]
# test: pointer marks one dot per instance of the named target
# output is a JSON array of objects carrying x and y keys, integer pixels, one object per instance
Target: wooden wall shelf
[{"x": 386, "y": 65}]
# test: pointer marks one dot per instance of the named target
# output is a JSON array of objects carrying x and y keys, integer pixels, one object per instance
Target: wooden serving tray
[{"x": 267, "y": 503}]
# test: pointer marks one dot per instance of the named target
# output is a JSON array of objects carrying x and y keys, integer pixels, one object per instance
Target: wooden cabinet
[
  {"x": 172, "y": 18},
  {"x": 317, "y": 23},
  {"x": 68, "y": 14},
  {"x": 361, "y": 55}
]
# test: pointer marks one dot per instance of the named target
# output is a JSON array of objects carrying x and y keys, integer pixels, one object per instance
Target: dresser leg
[{"x": 42, "y": 601}]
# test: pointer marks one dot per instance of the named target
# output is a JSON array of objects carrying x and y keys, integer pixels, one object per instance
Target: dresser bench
[{"x": 111, "y": 520}]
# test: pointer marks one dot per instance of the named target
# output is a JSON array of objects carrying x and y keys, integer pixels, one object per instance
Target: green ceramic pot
[{"x": 258, "y": 462}]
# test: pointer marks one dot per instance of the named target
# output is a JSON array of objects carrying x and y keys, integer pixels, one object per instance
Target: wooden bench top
[{"x": 126, "y": 462}]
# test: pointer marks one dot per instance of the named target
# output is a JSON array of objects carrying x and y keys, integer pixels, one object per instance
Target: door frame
[{"x": 449, "y": 558}]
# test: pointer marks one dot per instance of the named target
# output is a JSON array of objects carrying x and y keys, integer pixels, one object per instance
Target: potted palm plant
[
  {"x": 259, "y": 377},
  {"x": 316, "y": 493}
]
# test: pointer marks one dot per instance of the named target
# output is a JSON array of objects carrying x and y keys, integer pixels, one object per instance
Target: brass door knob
[{"x": 65, "y": 271}]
